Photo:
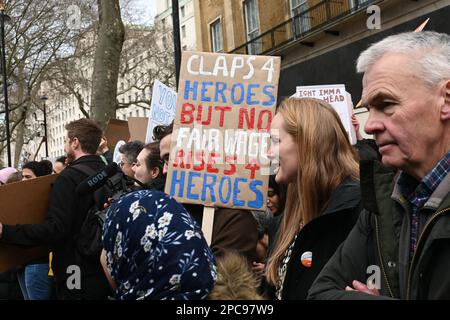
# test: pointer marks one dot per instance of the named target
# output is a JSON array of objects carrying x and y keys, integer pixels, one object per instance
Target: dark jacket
[
  {"x": 157, "y": 184},
  {"x": 322, "y": 236},
  {"x": 66, "y": 213},
  {"x": 380, "y": 240},
  {"x": 233, "y": 229},
  {"x": 367, "y": 149}
]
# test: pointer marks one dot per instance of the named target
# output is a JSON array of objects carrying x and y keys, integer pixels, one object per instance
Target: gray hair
[
  {"x": 429, "y": 49},
  {"x": 131, "y": 150}
]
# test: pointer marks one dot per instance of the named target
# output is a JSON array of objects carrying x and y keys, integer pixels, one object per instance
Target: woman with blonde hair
[{"x": 316, "y": 160}]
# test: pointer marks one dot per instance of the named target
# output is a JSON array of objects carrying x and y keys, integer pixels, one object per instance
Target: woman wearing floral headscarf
[{"x": 153, "y": 249}]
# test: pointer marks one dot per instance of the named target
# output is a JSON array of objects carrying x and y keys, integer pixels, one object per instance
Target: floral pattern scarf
[{"x": 156, "y": 250}]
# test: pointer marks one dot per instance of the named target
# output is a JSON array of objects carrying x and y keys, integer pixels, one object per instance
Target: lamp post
[
  {"x": 176, "y": 39},
  {"x": 44, "y": 98},
  {"x": 3, "y": 18}
]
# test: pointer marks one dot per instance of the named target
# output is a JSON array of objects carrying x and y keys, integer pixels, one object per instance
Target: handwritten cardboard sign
[
  {"x": 164, "y": 101},
  {"x": 221, "y": 133},
  {"x": 338, "y": 98},
  {"x": 138, "y": 128},
  {"x": 24, "y": 202},
  {"x": 116, "y": 130}
]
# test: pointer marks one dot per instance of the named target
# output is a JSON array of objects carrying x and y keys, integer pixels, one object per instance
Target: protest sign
[
  {"x": 338, "y": 98},
  {"x": 164, "y": 101},
  {"x": 138, "y": 128},
  {"x": 221, "y": 133},
  {"x": 116, "y": 130},
  {"x": 24, "y": 202}
]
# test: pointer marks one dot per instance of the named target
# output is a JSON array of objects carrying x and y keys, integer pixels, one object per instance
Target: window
[
  {"x": 163, "y": 23},
  {"x": 164, "y": 41},
  {"x": 182, "y": 11},
  {"x": 136, "y": 96},
  {"x": 216, "y": 36},
  {"x": 184, "y": 47},
  {"x": 129, "y": 98},
  {"x": 137, "y": 112},
  {"x": 301, "y": 22},
  {"x": 354, "y": 4},
  {"x": 252, "y": 24},
  {"x": 183, "y": 32}
]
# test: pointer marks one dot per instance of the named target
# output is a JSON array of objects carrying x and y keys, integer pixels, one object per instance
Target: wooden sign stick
[{"x": 207, "y": 223}]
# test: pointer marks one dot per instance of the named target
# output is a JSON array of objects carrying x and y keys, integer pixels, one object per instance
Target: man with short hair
[
  {"x": 130, "y": 151},
  {"x": 66, "y": 213},
  {"x": 400, "y": 246},
  {"x": 233, "y": 229}
]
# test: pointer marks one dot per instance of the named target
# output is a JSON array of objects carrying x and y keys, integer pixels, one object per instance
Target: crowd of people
[{"x": 368, "y": 221}]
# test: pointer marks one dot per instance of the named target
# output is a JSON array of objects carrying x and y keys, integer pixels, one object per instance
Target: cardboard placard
[
  {"x": 221, "y": 135},
  {"x": 24, "y": 202},
  {"x": 138, "y": 128},
  {"x": 164, "y": 101},
  {"x": 116, "y": 130},
  {"x": 338, "y": 98}
]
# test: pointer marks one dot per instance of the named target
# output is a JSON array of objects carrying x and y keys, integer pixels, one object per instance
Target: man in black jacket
[
  {"x": 400, "y": 246},
  {"x": 76, "y": 277}
]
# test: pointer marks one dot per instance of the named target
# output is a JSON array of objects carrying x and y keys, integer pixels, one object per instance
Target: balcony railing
[{"x": 321, "y": 15}]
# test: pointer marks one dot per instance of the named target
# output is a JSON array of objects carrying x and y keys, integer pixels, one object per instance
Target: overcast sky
[{"x": 148, "y": 9}]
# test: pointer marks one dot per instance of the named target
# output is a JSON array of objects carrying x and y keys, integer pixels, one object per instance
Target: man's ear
[
  {"x": 76, "y": 143},
  {"x": 445, "y": 112}
]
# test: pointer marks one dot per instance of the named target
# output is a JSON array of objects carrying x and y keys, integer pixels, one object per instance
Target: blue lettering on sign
[
  {"x": 188, "y": 89},
  {"x": 259, "y": 201},
  {"x": 220, "y": 89},
  {"x": 209, "y": 185},
  {"x": 170, "y": 101},
  {"x": 236, "y": 192},
  {"x": 240, "y": 99},
  {"x": 162, "y": 93},
  {"x": 228, "y": 189},
  {"x": 204, "y": 95},
  {"x": 225, "y": 188},
  {"x": 269, "y": 94},
  {"x": 251, "y": 94},
  {"x": 177, "y": 182},
  {"x": 161, "y": 116},
  {"x": 191, "y": 185}
]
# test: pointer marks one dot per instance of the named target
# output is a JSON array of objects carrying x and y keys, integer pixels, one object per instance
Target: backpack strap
[
  {"x": 84, "y": 169},
  {"x": 99, "y": 194}
]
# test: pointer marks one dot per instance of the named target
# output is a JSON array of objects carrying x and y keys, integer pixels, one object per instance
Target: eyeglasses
[{"x": 122, "y": 164}]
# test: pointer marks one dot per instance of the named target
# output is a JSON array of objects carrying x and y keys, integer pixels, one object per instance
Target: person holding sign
[
  {"x": 317, "y": 161},
  {"x": 76, "y": 276},
  {"x": 400, "y": 246}
]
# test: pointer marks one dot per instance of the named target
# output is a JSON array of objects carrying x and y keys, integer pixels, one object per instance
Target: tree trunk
[
  {"x": 20, "y": 114},
  {"x": 20, "y": 133},
  {"x": 111, "y": 33}
]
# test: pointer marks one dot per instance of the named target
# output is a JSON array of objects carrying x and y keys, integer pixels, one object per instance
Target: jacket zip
[
  {"x": 381, "y": 258},
  {"x": 415, "y": 253}
]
